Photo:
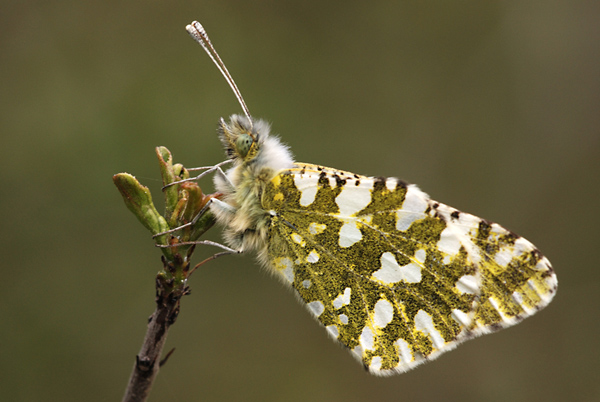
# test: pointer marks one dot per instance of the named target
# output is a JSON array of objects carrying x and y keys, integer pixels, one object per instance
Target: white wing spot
[
  {"x": 424, "y": 323},
  {"x": 543, "y": 265},
  {"x": 518, "y": 298},
  {"x": 461, "y": 317},
  {"x": 411, "y": 272},
  {"x": 316, "y": 228},
  {"x": 390, "y": 272},
  {"x": 496, "y": 304},
  {"x": 313, "y": 257},
  {"x": 306, "y": 283},
  {"x": 375, "y": 363},
  {"x": 449, "y": 242},
  {"x": 383, "y": 313},
  {"x": 468, "y": 284},
  {"x": 316, "y": 307},
  {"x": 421, "y": 255},
  {"x": 468, "y": 221},
  {"x": 349, "y": 234},
  {"x": 521, "y": 246},
  {"x": 284, "y": 266},
  {"x": 459, "y": 233},
  {"x": 358, "y": 351},
  {"x": 333, "y": 330},
  {"x": 391, "y": 184},
  {"x": 497, "y": 229},
  {"x": 353, "y": 199},
  {"x": 404, "y": 351},
  {"x": 308, "y": 186},
  {"x": 342, "y": 299},
  {"x": 367, "y": 339},
  {"x": 343, "y": 318},
  {"x": 413, "y": 207},
  {"x": 503, "y": 257},
  {"x": 298, "y": 239}
]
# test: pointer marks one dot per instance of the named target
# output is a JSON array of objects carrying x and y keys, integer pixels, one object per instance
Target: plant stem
[{"x": 147, "y": 362}]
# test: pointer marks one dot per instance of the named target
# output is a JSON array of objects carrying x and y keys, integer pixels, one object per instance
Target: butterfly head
[
  {"x": 250, "y": 144},
  {"x": 241, "y": 138}
]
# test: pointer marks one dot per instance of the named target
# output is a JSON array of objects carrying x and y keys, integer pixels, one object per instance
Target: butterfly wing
[{"x": 392, "y": 275}]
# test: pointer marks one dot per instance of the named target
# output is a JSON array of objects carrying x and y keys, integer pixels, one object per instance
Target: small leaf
[
  {"x": 139, "y": 201},
  {"x": 167, "y": 171}
]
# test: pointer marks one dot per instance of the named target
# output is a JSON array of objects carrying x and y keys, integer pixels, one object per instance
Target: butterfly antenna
[{"x": 196, "y": 31}]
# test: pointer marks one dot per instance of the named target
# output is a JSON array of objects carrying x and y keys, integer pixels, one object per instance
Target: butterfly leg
[
  {"x": 222, "y": 206},
  {"x": 192, "y": 222},
  {"x": 207, "y": 170},
  {"x": 214, "y": 256},
  {"x": 218, "y": 171}
]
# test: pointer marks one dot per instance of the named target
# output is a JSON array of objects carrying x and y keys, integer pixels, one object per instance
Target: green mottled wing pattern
[{"x": 392, "y": 275}]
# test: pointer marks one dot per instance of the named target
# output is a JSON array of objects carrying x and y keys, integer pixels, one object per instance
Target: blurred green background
[{"x": 491, "y": 107}]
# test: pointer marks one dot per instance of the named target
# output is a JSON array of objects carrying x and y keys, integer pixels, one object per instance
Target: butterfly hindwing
[{"x": 394, "y": 276}]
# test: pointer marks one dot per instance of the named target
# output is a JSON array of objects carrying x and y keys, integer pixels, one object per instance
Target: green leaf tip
[{"x": 139, "y": 201}]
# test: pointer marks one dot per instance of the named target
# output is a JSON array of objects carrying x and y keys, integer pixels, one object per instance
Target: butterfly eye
[{"x": 243, "y": 144}]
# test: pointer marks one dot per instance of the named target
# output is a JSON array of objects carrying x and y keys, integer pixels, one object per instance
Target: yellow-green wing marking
[{"x": 392, "y": 275}]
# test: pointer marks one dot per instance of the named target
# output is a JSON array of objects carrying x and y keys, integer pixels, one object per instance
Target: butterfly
[{"x": 395, "y": 277}]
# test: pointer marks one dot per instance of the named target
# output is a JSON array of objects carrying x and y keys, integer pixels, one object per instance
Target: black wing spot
[
  {"x": 340, "y": 182},
  {"x": 484, "y": 228},
  {"x": 379, "y": 184},
  {"x": 400, "y": 184},
  {"x": 495, "y": 327}
]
